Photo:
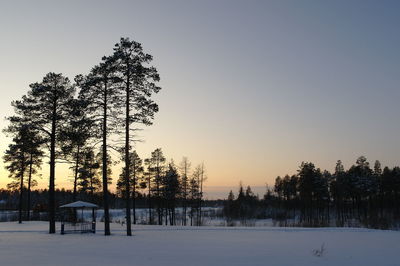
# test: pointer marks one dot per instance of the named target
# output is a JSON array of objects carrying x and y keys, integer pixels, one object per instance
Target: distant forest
[{"x": 360, "y": 196}]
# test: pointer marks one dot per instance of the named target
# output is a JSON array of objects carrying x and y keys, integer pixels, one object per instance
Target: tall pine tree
[
  {"x": 100, "y": 89},
  {"x": 138, "y": 87},
  {"x": 45, "y": 108}
]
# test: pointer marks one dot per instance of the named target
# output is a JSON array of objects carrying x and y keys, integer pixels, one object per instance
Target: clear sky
[{"x": 252, "y": 88}]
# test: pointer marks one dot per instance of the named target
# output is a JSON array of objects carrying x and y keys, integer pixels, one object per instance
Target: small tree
[
  {"x": 88, "y": 173},
  {"x": 17, "y": 159},
  {"x": 156, "y": 165},
  {"x": 24, "y": 158},
  {"x": 184, "y": 173},
  {"x": 200, "y": 176},
  {"x": 171, "y": 189},
  {"x": 194, "y": 195},
  {"x": 148, "y": 177},
  {"x": 229, "y": 208},
  {"x": 137, "y": 179}
]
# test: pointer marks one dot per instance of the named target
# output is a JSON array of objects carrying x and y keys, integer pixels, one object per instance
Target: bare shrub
[{"x": 319, "y": 252}]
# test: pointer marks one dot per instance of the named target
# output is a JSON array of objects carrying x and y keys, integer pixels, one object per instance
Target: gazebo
[{"x": 72, "y": 222}]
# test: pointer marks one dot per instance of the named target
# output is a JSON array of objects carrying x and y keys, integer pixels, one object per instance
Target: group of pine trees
[
  {"x": 245, "y": 206},
  {"x": 166, "y": 187},
  {"x": 80, "y": 122},
  {"x": 156, "y": 186},
  {"x": 368, "y": 195},
  {"x": 362, "y": 195}
]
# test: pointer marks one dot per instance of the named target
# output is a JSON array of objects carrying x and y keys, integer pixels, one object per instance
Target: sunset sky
[{"x": 250, "y": 88}]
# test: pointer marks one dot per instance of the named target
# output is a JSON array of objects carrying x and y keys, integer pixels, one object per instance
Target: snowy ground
[{"x": 29, "y": 244}]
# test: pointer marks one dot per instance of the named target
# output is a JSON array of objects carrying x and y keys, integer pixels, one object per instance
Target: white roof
[{"x": 79, "y": 204}]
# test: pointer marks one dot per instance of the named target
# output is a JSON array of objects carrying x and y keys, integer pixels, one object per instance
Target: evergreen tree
[
  {"x": 229, "y": 207},
  {"x": 27, "y": 146},
  {"x": 308, "y": 178},
  {"x": 157, "y": 163},
  {"x": 194, "y": 195},
  {"x": 278, "y": 187},
  {"x": 45, "y": 108},
  {"x": 16, "y": 158},
  {"x": 34, "y": 164},
  {"x": 138, "y": 86},
  {"x": 100, "y": 89},
  {"x": 88, "y": 173},
  {"x": 171, "y": 189},
  {"x": 136, "y": 179},
  {"x": 76, "y": 136},
  {"x": 148, "y": 177}
]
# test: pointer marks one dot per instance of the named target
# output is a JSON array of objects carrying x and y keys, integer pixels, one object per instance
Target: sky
[{"x": 250, "y": 88}]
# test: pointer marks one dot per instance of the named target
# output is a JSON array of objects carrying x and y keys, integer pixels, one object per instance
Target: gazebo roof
[{"x": 79, "y": 204}]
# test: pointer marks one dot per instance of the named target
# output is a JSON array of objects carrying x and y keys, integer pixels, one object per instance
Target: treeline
[
  {"x": 245, "y": 206},
  {"x": 160, "y": 187},
  {"x": 166, "y": 186},
  {"x": 359, "y": 196},
  {"x": 82, "y": 123},
  {"x": 156, "y": 185},
  {"x": 39, "y": 200}
]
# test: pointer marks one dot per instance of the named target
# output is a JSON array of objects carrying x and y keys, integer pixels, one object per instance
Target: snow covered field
[{"x": 29, "y": 244}]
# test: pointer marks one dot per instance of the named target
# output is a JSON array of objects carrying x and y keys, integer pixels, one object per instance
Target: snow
[
  {"x": 30, "y": 244},
  {"x": 79, "y": 204}
]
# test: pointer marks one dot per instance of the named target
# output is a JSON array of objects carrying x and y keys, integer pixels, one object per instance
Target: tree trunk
[
  {"x": 76, "y": 174},
  {"x": 28, "y": 214},
  {"x": 200, "y": 196},
  {"x": 166, "y": 213},
  {"x": 52, "y": 199},
  {"x": 191, "y": 216},
  {"x": 134, "y": 196},
  {"x": 149, "y": 184},
  {"x": 184, "y": 197},
  {"x": 158, "y": 197},
  {"x": 127, "y": 163},
  {"x": 134, "y": 191},
  {"x": 92, "y": 193},
  {"x": 105, "y": 178},
  {"x": 21, "y": 191},
  {"x": 134, "y": 205}
]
